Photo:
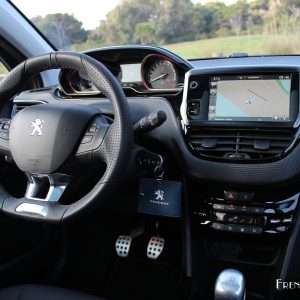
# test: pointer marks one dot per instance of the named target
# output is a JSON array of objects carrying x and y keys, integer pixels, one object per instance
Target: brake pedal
[
  {"x": 155, "y": 247},
  {"x": 123, "y": 244}
]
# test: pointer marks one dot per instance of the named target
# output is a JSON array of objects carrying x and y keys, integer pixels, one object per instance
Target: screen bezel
[
  {"x": 201, "y": 94},
  {"x": 224, "y": 77}
]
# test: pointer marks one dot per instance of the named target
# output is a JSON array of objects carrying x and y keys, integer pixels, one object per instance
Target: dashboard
[
  {"x": 229, "y": 120},
  {"x": 140, "y": 70}
]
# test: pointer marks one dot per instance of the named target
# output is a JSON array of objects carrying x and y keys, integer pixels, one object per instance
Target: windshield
[{"x": 192, "y": 29}]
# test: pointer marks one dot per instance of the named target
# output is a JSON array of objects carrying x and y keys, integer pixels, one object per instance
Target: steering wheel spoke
[
  {"x": 93, "y": 136},
  {"x": 47, "y": 187},
  {"x": 102, "y": 152}
]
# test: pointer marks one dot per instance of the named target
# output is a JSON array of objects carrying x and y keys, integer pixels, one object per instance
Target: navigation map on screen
[{"x": 250, "y": 98}]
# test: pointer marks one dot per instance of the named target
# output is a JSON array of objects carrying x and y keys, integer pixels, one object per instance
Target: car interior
[{"x": 124, "y": 179}]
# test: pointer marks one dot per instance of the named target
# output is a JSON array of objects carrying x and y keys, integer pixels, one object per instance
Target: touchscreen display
[{"x": 250, "y": 98}]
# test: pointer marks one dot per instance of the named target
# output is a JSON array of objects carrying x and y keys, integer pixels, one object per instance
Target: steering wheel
[{"x": 45, "y": 139}]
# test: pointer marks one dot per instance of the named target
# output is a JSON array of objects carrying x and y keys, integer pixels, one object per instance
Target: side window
[{"x": 3, "y": 71}]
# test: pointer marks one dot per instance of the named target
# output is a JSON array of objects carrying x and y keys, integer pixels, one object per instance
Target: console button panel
[
  {"x": 193, "y": 108},
  {"x": 238, "y": 212},
  {"x": 4, "y": 128}
]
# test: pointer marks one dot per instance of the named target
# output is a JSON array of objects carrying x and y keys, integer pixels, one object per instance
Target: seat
[{"x": 42, "y": 292}]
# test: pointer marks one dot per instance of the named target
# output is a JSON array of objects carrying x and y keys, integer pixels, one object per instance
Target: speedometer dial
[{"x": 159, "y": 73}]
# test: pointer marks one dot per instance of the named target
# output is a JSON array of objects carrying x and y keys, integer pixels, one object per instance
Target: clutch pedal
[
  {"x": 123, "y": 245},
  {"x": 155, "y": 247}
]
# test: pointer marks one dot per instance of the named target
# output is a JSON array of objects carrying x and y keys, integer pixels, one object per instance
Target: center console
[
  {"x": 234, "y": 115},
  {"x": 242, "y": 116},
  {"x": 242, "y": 126}
]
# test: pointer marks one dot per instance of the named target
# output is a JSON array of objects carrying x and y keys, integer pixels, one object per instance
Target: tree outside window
[{"x": 3, "y": 71}]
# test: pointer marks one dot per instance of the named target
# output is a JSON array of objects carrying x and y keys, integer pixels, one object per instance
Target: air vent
[
  {"x": 20, "y": 104},
  {"x": 243, "y": 144}
]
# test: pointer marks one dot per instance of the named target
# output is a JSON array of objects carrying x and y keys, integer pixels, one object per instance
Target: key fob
[{"x": 160, "y": 197}]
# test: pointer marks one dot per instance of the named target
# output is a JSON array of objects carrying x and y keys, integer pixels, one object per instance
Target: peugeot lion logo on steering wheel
[{"x": 37, "y": 125}]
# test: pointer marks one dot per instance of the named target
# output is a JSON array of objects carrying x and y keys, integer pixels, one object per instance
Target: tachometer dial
[
  {"x": 159, "y": 73},
  {"x": 76, "y": 83}
]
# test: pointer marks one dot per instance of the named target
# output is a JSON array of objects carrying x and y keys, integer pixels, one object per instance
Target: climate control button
[
  {"x": 218, "y": 226},
  {"x": 257, "y": 210},
  {"x": 230, "y": 208},
  {"x": 231, "y": 228},
  {"x": 219, "y": 207},
  {"x": 231, "y": 195}
]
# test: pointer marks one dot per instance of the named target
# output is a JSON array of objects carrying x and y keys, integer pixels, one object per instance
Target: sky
[{"x": 89, "y": 12}]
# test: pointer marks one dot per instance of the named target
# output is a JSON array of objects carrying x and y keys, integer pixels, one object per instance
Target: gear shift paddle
[{"x": 230, "y": 285}]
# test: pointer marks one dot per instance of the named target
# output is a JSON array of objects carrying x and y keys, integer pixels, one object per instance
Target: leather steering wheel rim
[{"x": 117, "y": 142}]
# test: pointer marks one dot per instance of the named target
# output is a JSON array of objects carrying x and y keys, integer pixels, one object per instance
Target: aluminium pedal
[
  {"x": 155, "y": 247},
  {"x": 123, "y": 245}
]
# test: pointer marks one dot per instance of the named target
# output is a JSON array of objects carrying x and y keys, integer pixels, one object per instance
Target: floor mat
[{"x": 139, "y": 279}]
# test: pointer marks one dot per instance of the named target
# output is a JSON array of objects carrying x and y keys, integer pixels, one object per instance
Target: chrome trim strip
[
  {"x": 183, "y": 106},
  {"x": 76, "y": 93},
  {"x": 29, "y": 101},
  {"x": 33, "y": 209},
  {"x": 149, "y": 91}
]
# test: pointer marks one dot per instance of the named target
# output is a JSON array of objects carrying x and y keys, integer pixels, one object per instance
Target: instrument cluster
[{"x": 150, "y": 73}]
